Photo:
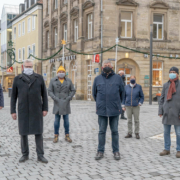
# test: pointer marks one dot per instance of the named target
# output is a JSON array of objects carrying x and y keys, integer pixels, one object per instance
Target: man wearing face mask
[
  {"x": 61, "y": 90},
  {"x": 134, "y": 98},
  {"x": 121, "y": 73},
  {"x": 30, "y": 91},
  {"x": 169, "y": 109},
  {"x": 108, "y": 92}
]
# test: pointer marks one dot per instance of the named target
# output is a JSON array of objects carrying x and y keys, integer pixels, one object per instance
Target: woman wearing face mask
[
  {"x": 61, "y": 90},
  {"x": 134, "y": 98}
]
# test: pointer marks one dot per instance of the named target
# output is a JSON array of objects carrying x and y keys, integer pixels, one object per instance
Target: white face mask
[
  {"x": 61, "y": 75},
  {"x": 28, "y": 71}
]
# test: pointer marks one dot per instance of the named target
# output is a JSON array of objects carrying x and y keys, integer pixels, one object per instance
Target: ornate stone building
[{"x": 79, "y": 23}]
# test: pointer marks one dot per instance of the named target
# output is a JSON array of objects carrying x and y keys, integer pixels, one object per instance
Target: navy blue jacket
[
  {"x": 108, "y": 92},
  {"x": 133, "y": 95}
]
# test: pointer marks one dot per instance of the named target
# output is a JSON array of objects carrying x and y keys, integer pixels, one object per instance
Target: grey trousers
[
  {"x": 133, "y": 111},
  {"x": 39, "y": 145}
]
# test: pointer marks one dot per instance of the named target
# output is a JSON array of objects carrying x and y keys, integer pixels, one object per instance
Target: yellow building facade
[{"x": 27, "y": 37}]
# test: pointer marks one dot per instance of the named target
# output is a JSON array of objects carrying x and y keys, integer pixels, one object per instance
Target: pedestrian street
[{"x": 140, "y": 159}]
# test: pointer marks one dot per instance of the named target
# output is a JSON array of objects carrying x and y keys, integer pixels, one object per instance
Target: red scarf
[{"x": 172, "y": 88}]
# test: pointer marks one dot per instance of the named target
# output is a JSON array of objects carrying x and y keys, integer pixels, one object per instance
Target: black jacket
[{"x": 32, "y": 100}]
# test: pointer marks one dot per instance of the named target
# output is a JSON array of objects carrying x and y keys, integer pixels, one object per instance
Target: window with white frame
[
  {"x": 126, "y": 24},
  {"x": 19, "y": 30},
  {"x": 55, "y": 37},
  {"x": 157, "y": 73},
  {"x": 29, "y": 24},
  {"x": 19, "y": 55},
  {"x": 55, "y": 4},
  {"x": 90, "y": 26},
  {"x": 65, "y": 32},
  {"x": 23, "y": 53},
  {"x": 29, "y": 3},
  {"x": 33, "y": 50},
  {"x": 75, "y": 30},
  {"x": 14, "y": 32},
  {"x": 158, "y": 26},
  {"x": 33, "y": 22},
  {"x": 23, "y": 27}
]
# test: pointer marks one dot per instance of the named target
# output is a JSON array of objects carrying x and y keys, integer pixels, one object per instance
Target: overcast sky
[{"x": 13, "y": 2}]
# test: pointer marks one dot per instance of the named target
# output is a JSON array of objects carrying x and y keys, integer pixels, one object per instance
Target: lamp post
[
  {"x": 117, "y": 41},
  {"x": 150, "y": 74},
  {"x": 63, "y": 42},
  {"x": 101, "y": 33}
]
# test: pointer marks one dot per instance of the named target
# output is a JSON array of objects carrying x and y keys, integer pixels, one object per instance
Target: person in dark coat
[
  {"x": 133, "y": 99},
  {"x": 1, "y": 98},
  {"x": 30, "y": 91},
  {"x": 61, "y": 90},
  {"x": 108, "y": 92},
  {"x": 169, "y": 109},
  {"x": 121, "y": 73}
]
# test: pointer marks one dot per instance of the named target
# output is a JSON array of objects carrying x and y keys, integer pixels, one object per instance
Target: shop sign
[
  {"x": 146, "y": 81},
  {"x": 110, "y": 59},
  {"x": 146, "y": 77},
  {"x": 69, "y": 58},
  {"x": 96, "y": 70},
  {"x": 10, "y": 70}
]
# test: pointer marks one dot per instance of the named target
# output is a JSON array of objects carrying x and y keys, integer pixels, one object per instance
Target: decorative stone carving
[
  {"x": 88, "y": 4},
  {"x": 159, "y": 5},
  {"x": 63, "y": 16},
  {"x": 74, "y": 11},
  {"x": 54, "y": 21},
  {"x": 46, "y": 24},
  {"x": 127, "y": 3}
]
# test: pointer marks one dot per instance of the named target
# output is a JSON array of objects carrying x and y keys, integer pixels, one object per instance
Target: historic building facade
[{"x": 79, "y": 23}]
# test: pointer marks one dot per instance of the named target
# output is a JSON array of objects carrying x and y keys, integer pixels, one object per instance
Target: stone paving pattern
[{"x": 140, "y": 159}]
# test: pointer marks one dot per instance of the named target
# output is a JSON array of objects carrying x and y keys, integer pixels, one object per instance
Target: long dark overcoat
[
  {"x": 32, "y": 101},
  {"x": 170, "y": 109}
]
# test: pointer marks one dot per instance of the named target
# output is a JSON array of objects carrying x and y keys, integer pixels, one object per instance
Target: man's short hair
[
  {"x": 133, "y": 76},
  {"x": 27, "y": 61},
  {"x": 107, "y": 62}
]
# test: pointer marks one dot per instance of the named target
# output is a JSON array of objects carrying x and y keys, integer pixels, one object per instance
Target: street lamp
[{"x": 151, "y": 56}]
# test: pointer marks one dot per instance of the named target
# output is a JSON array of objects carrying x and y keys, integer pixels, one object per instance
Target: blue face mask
[
  {"x": 172, "y": 75},
  {"x": 132, "y": 81}
]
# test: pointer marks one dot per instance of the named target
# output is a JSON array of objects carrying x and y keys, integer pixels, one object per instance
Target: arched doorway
[
  {"x": 53, "y": 71},
  {"x": 130, "y": 67}
]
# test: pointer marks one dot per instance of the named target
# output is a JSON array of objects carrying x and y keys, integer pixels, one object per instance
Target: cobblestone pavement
[{"x": 139, "y": 158}]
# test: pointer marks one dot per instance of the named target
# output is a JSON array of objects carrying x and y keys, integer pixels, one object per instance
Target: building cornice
[
  {"x": 74, "y": 11},
  {"x": 159, "y": 5},
  {"x": 88, "y": 4},
  {"x": 127, "y": 3}
]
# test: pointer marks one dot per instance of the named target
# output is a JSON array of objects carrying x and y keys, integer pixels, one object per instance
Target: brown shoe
[
  {"x": 68, "y": 139},
  {"x": 137, "y": 136},
  {"x": 164, "y": 153},
  {"x": 128, "y": 136},
  {"x": 56, "y": 138},
  {"x": 178, "y": 154}
]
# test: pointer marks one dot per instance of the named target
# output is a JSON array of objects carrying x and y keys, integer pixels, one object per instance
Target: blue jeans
[
  {"x": 167, "y": 137},
  {"x": 103, "y": 123},
  {"x": 57, "y": 123}
]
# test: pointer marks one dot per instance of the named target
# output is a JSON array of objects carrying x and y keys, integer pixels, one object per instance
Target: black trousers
[{"x": 39, "y": 145}]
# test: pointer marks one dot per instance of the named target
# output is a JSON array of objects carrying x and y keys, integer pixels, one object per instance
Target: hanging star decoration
[
  {"x": 10, "y": 43},
  {"x": 63, "y": 42}
]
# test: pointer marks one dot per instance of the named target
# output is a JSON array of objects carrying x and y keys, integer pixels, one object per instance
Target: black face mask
[
  {"x": 123, "y": 77},
  {"x": 107, "y": 69}
]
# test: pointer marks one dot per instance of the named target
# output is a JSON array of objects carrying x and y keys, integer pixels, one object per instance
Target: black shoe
[
  {"x": 117, "y": 156},
  {"x": 122, "y": 117},
  {"x": 128, "y": 136},
  {"x": 23, "y": 159},
  {"x": 137, "y": 136},
  {"x": 99, "y": 155},
  {"x": 42, "y": 159}
]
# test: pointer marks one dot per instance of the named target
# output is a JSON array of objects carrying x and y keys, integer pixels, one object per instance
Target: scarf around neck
[{"x": 172, "y": 88}]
